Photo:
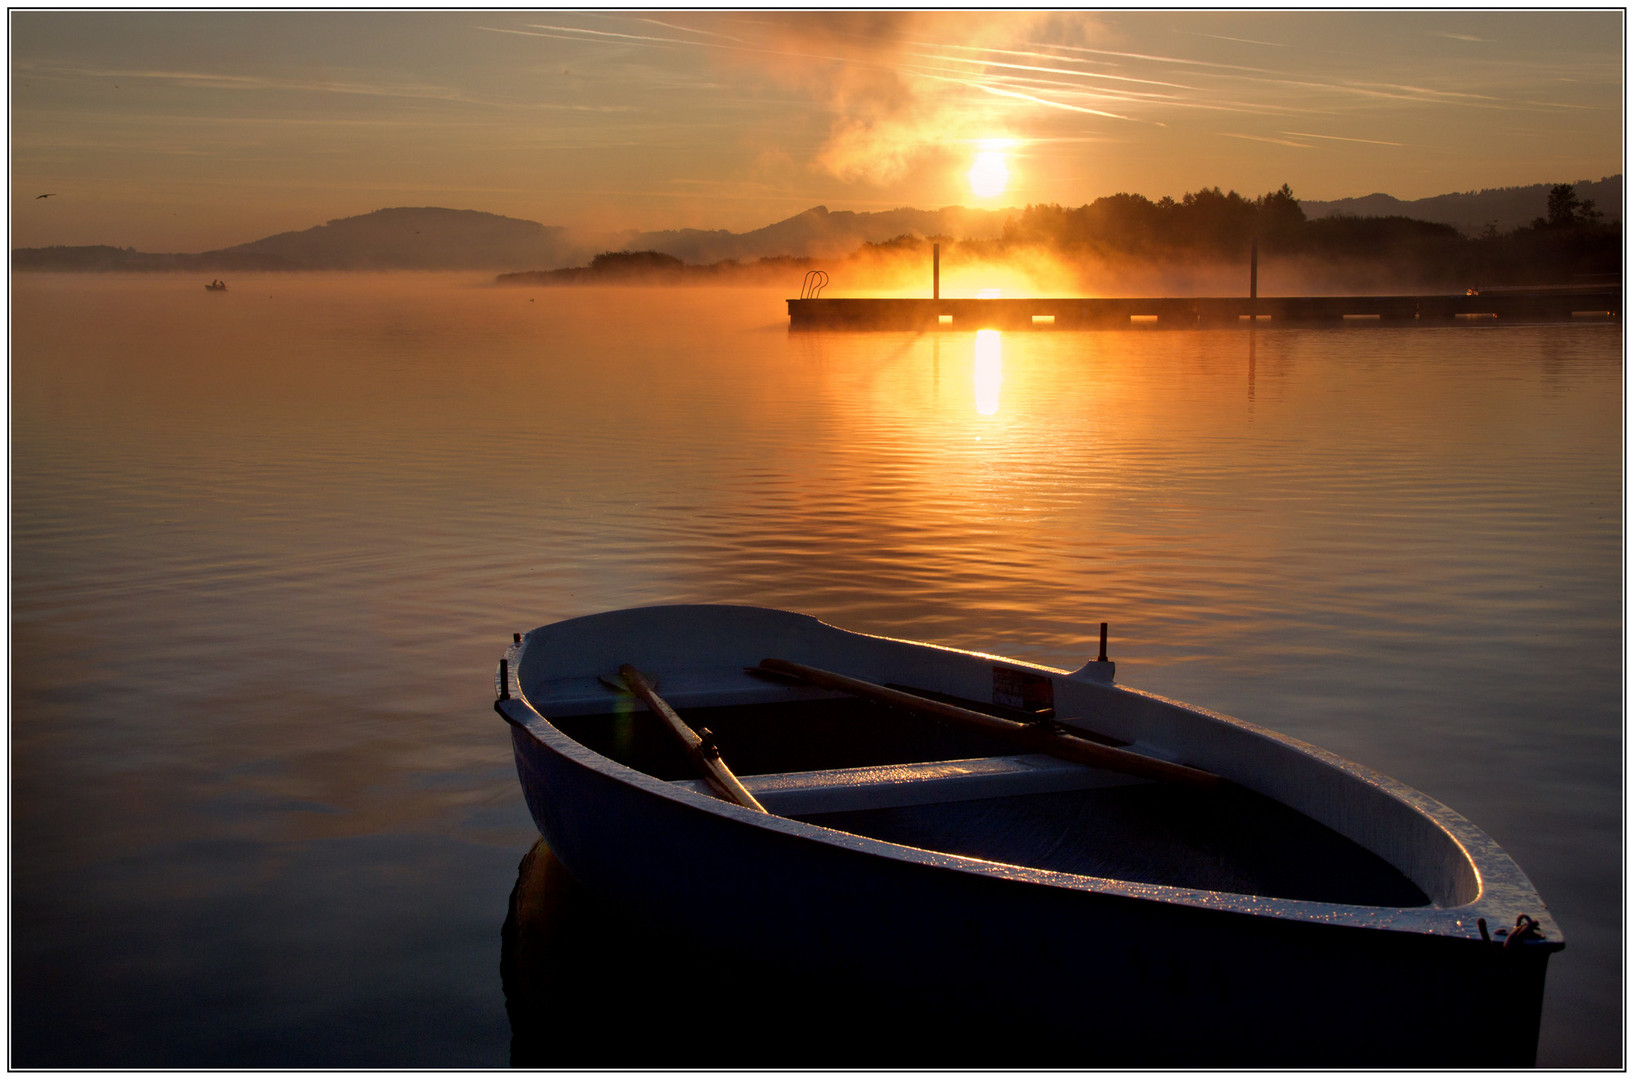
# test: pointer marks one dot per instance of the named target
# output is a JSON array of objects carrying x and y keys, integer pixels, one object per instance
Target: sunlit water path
[{"x": 268, "y": 545}]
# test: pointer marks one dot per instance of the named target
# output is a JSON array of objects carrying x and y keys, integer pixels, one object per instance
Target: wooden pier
[{"x": 1101, "y": 313}]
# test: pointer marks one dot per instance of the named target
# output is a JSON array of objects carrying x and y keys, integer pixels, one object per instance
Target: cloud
[
  {"x": 690, "y": 30},
  {"x": 893, "y": 90},
  {"x": 1266, "y": 139},
  {"x": 1000, "y": 92},
  {"x": 217, "y": 80},
  {"x": 895, "y": 86},
  {"x": 1340, "y": 138}
]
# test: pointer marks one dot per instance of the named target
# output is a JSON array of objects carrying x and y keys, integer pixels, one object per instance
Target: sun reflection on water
[{"x": 989, "y": 371}]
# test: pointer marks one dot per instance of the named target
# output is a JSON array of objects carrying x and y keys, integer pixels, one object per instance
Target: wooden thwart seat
[{"x": 876, "y": 787}]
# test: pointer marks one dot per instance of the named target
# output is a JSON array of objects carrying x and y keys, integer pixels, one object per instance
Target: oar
[
  {"x": 703, "y": 752},
  {"x": 1038, "y": 738}
]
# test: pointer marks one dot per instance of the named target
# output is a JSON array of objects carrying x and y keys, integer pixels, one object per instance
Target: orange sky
[{"x": 184, "y": 131}]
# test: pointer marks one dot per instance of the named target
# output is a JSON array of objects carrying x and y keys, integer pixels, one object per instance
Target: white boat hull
[{"x": 1144, "y": 973}]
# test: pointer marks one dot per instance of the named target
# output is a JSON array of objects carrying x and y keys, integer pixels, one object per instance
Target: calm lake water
[{"x": 267, "y": 547}]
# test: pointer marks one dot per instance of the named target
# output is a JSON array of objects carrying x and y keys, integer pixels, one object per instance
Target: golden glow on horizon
[
  {"x": 989, "y": 371},
  {"x": 315, "y": 115}
]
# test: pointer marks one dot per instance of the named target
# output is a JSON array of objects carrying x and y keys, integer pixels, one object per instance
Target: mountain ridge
[
  {"x": 819, "y": 232},
  {"x": 1474, "y": 212},
  {"x": 412, "y": 238},
  {"x": 440, "y": 238}
]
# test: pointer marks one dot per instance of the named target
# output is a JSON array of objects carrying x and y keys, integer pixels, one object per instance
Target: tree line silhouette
[
  {"x": 1572, "y": 245},
  {"x": 1569, "y": 245}
]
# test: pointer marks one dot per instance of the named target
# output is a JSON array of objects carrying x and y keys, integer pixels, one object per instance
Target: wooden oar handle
[
  {"x": 705, "y": 755},
  {"x": 1034, "y": 737}
]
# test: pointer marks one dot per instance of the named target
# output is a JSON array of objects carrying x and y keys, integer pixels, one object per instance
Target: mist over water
[
  {"x": 268, "y": 546},
  {"x": 903, "y": 268}
]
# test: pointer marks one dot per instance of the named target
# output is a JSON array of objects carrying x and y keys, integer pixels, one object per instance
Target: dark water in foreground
[{"x": 268, "y": 545}]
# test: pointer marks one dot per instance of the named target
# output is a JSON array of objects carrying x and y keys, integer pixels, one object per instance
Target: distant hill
[
  {"x": 415, "y": 238},
  {"x": 817, "y": 233},
  {"x": 1472, "y": 212},
  {"x": 436, "y": 238},
  {"x": 432, "y": 238}
]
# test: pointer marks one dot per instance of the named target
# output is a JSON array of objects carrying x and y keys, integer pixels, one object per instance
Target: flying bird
[{"x": 47, "y": 195}]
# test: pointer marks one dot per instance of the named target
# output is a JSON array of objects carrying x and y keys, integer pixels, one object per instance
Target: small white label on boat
[{"x": 1022, "y": 689}]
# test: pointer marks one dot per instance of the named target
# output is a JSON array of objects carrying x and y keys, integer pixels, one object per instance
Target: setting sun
[{"x": 988, "y": 174}]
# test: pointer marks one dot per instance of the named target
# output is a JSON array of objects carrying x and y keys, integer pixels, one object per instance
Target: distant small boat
[
  {"x": 217, "y": 286},
  {"x": 1154, "y": 883}
]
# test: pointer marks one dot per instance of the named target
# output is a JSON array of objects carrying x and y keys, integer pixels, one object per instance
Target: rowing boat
[{"x": 1150, "y": 882}]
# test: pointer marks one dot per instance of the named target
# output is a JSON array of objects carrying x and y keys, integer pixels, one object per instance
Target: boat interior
[{"x": 872, "y": 770}]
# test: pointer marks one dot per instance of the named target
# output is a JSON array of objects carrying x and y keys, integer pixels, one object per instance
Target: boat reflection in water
[{"x": 589, "y": 986}]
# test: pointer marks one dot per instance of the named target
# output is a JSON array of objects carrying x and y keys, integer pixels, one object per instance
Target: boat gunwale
[{"x": 1501, "y": 888}]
